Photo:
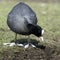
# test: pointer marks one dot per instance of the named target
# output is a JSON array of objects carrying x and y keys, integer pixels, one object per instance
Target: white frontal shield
[{"x": 42, "y": 36}]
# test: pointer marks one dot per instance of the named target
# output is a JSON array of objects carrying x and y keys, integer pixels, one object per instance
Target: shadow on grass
[{"x": 32, "y": 41}]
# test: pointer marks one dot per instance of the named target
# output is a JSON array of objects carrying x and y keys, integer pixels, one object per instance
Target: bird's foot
[
  {"x": 24, "y": 45},
  {"x": 29, "y": 44},
  {"x": 12, "y": 44},
  {"x": 9, "y": 44},
  {"x": 19, "y": 44}
]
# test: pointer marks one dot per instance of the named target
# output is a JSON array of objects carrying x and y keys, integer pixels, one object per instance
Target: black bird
[{"x": 22, "y": 20}]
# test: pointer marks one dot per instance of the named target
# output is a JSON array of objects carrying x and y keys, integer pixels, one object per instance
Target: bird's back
[{"x": 19, "y": 15}]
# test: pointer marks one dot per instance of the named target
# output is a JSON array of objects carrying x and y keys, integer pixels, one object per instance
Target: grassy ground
[{"x": 48, "y": 15}]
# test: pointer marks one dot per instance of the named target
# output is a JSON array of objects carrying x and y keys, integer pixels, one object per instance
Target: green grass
[
  {"x": 48, "y": 18},
  {"x": 48, "y": 15}
]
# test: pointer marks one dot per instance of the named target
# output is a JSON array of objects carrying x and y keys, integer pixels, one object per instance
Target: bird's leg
[
  {"x": 29, "y": 43},
  {"x": 13, "y": 42},
  {"x": 29, "y": 39},
  {"x": 15, "y": 36}
]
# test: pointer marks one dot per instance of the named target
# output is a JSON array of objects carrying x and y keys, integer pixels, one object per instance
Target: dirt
[
  {"x": 19, "y": 53},
  {"x": 40, "y": 52}
]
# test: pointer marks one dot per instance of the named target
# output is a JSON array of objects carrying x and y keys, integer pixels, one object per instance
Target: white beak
[{"x": 42, "y": 38}]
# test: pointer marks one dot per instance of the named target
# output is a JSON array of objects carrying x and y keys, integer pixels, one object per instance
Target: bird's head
[
  {"x": 39, "y": 32},
  {"x": 36, "y": 30}
]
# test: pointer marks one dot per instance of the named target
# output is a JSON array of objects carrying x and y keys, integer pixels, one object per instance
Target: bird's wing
[{"x": 30, "y": 20}]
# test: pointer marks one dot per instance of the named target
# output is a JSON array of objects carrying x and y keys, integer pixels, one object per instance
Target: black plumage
[{"x": 22, "y": 20}]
